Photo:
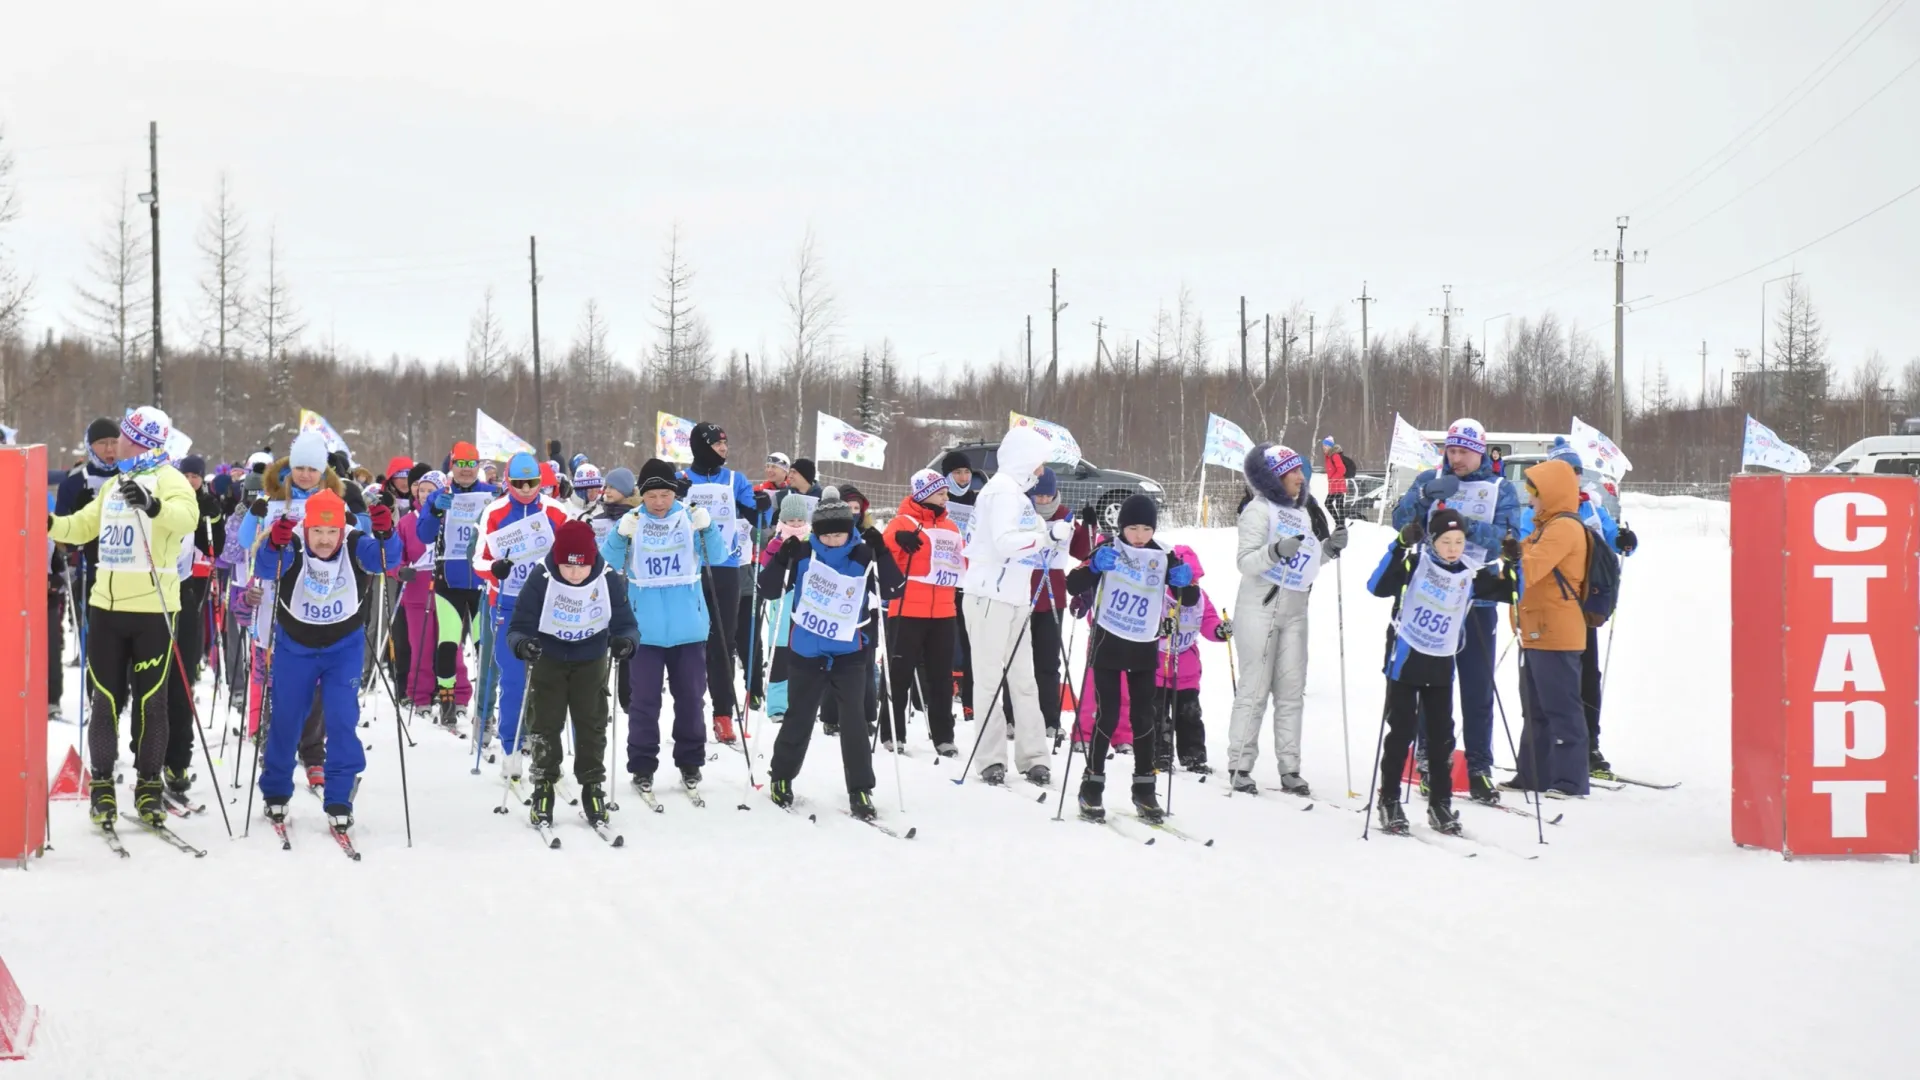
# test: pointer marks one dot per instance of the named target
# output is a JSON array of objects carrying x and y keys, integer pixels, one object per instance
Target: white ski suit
[{"x": 1270, "y": 625}]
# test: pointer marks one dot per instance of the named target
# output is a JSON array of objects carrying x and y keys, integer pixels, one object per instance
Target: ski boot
[
  {"x": 994, "y": 775},
  {"x": 861, "y": 805},
  {"x": 178, "y": 780},
  {"x": 723, "y": 729},
  {"x": 1040, "y": 776},
  {"x": 781, "y": 792},
  {"x": 593, "y": 803},
  {"x": 275, "y": 810},
  {"x": 103, "y": 801},
  {"x": 829, "y": 729},
  {"x": 1393, "y": 820},
  {"x": 947, "y": 749},
  {"x": 1420, "y": 770},
  {"x": 1443, "y": 817},
  {"x": 886, "y": 743},
  {"x": 339, "y": 817},
  {"x": 1091, "y": 785},
  {"x": 149, "y": 800},
  {"x": 1242, "y": 783},
  {"x": 513, "y": 766},
  {"x": 1196, "y": 765},
  {"x": 643, "y": 783},
  {"x": 316, "y": 776},
  {"x": 690, "y": 776},
  {"x": 1079, "y": 746},
  {"x": 1480, "y": 788},
  {"x": 542, "y": 812},
  {"x": 1597, "y": 766},
  {"x": 1293, "y": 784},
  {"x": 1146, "y": 801},
  {"x": 1123, "y": 748},
  {"x": 443, "y": 697}
]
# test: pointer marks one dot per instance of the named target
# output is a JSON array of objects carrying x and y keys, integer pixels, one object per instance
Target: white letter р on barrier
[
  {"x": 1831, "y": 747},
  {"x": 1830, "y": 524},
  {"x": 1850, "y": 589},
  {"x": 1849, "y": 804}
]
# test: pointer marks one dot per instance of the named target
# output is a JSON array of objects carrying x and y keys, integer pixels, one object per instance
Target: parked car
[
  {"x": 1081, "y": 484},
  {"x": 1364, "y": 492},
  {"x": 1896, "y": 455},
  {"x": 1516, "y": 473}
]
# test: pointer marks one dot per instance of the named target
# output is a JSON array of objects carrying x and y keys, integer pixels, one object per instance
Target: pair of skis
[
  {"x": 111, "y": 835},
  {"x": 341, "y": 837},
  {"x": 602, "y": 829},
  {"x": 803, "y": 806}
]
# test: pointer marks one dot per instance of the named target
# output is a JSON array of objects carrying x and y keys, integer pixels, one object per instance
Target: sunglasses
[
  {"x": 458, "y": 464},
  {"x": 525, "y": 485}
]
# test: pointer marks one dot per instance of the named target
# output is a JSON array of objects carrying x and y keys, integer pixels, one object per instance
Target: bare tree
[
  {"x": 114, "y": 307},
  {"x": 222, "y": 241},
  {"x": 1799, "y": 347},
  {"x": 486, "y": 344},
  {"x": 590, "y": 366},
  {"x": 13, "y": 291},
  {"x": 683, "y": 355},
  {"x": 276, "y": 325},
  {"x": 812, "y": 314}
]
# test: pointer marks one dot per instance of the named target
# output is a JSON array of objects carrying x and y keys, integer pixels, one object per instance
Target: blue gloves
[
  {"x": 442, "y": 500},
  {"x": 1444, "y": 486},
  {"x": 1180, "y": 575},
  {"x": 1104, "y": 559}
]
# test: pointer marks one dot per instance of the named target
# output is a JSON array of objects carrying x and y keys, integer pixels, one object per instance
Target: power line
[
  {"x": 1762, "y": 266},
  {"x": 1801, "y": 91}
]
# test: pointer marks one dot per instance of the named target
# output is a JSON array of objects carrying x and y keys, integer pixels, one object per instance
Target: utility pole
[
  {"x": 152, "y": 198},
  {"x": 1053, "y": 362},
  {"x": 1026, "y": 402},
  {"x": 1703, "y": 374},
  {"x": 1099, "y": 343},
  {"x": 1243, "y": 339},
  {"x": 1266, "y": 335},
  {"x": 1366, "y": 374},
  {"x": 1620, "y": 258},
  {"x": 1446, "y": 311},
  {"x": 533, "y": 280}
]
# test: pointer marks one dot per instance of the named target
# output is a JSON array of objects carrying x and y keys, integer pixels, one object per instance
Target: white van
[{"x": 1896, "y": 455}]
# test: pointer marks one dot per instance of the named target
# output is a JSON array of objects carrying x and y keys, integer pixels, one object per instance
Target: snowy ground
[{"x": 1001, "y": 943}]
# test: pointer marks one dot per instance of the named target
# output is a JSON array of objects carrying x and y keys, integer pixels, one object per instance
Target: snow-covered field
[{"x": 999, "y": 942}]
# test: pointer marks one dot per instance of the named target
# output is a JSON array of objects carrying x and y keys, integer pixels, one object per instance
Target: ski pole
[
  {"x": 1233, "y": 670},
  {"x": 400, "y": 737},
  {"x": 1099, "y": 598},
  {"x": 885, "y": 672},
  {"x": 984, "y": 719},
  {"x": 1167, "y": 670},
  {"x": 1379, "y": 745},
  {"x": 1340, "y": 608}
]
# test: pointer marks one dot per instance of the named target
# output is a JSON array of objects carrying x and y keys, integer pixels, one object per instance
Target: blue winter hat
[
  {"x": 1562, "y": 451},
  {"x": 1047, "y": 487},
  {"x": 522, "y": 467},
  {"x": 1328, "y": 442}
]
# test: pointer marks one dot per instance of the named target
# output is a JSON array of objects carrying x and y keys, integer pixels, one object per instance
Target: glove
[
  {"x": 1224, "y": 631},
  {"x": 908, "y": 540},
  {"x": 1060, "y": 531},
  {"x": 406, "y": 575},
  {"x": 1444, "y": 486},
  {"x": 1510, "y": 548},
  {"x": 629, "y": 524},
  {"x": 282, "y": 533},
  {"x": 258, "y": 509},
  {"x": 138, "y": 497},
  {"x": 1080, "y": 605},
  {"x": 1284, "y": 548},
  {"x": 254, "y": 593},
  {"x": 1626, "y": 541},
  {"x": 1086, "y": 513},
  {"x": 762, "y": 502},
  {"x": 442, "y": 501},
  {"x": 210, "y": 505},
  {"x": 791, "y": 551},
  {"x": 527, "y": 649},
  {"x": 502, "y": 569},
  {"x": 1180, "y": 575},
  {"x": 700, "y": 518},
  {"x": 622, "y": 649},
  {"x": 1104, "y": 559},
  {"x": 381, "y": 517},
  {"x": 1336, "y": 542},
  {"x": 1412, "y": 533}
]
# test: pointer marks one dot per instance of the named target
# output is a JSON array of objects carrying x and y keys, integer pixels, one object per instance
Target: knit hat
[
  {"x": 573, "y": 464},
  {"x": 400, "y": 466},
  {"x": 622, "y": 482},
  {"x": 340, "y": 463},
  {"x": 1445, "y": 519},
  {"x": 147, "y": 426},
  {"x": 780, "y": 459},
  {"x": 832, "y": 515},
  {"x": 463, "y": 451},
  {"x": 1047, "y": 487},
  {"x": 549, "y": 476},
  {"x": 419, "y": 471},
  {"x": 522, "y": 467},
  {"x": 573, "y": 544},
  {"x": 309, "y": 452},
  {"x": 657, "y": 475},
  {"x": 852, "y": 497},
  {"x": 325, "y": 508},
  {"x": 586, "y": 476},
  {"x": 926, "y": 484},
  {"x": 1563, "y": 451},
  {"x": 102, "y": 428},
  {"x": 794, "y": 508},
  {"x": 1328, "y": 442},
  {"x": 804, "y": 466},
  {"x": 1467, "y": 434},
  {"x": 1266, "y": 463},
  {"x": 194, "y": 464},
  {"x": 432, "y": 476},
  {"x": 954, "y": 459},
  {"x": 259, "y": 460},
  {"x": 1139, "y": 510},
  {"x": 705, "y": 435}
]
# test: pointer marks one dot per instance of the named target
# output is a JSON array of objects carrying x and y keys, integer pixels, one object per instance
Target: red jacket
[
  {"x": 1335, "y": 467},
  {"x": 920, "y": 600}
]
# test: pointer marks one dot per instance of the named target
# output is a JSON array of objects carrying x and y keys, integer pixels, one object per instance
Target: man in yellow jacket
[
  {"x": 140, "y": 520},
  {"x": 1553, "y": 633}
]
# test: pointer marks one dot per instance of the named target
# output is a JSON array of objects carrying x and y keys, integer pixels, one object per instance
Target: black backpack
[{"x": 1603, "y": 577}]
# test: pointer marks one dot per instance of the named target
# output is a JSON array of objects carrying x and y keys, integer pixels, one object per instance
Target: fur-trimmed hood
[{"x": 277, "y": 484}]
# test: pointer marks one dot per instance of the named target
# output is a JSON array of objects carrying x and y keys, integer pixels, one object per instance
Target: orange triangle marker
[{"x": 69, "y": 784}]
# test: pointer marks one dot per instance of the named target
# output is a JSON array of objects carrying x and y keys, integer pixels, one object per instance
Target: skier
[
  {"x": 194, "y": 571},
  {"x": 322, "y": 570},
  {"x": 1283, "y": 542},
  {"x": 962, "y": 497},
  {"x": 1130, "y": 576},
  {"x": 139, "y": 521},
  {"x": 571, "y": 617},
  {"x": 655, "y": 546},
  {"x": 1432, "y": 590},
  {"x": 1180, "y": 674},
  {"x": 834, "y": 599},
  {"x": 415, "y": 575},
  {"x": 451, "y": 528},
  {"x": 1553, "y": 634},
  {"x": 890, "y": 582},
  {"x": 794, "y": 528},
  {"x": 999, "y": 601},
  {"x": 1050, "y": 600},
  {"x": 619, "y": 493},
  {"x": 729, "y": 499},
  {"x": 929, "y": 550},
  {"x": 79, "y": 488},
  {"x": 588, "y": 486},
  {"x": 516, "y": 531},
  {"x": 1486, "y": 501},
  {"x": 804, "y": 479}
]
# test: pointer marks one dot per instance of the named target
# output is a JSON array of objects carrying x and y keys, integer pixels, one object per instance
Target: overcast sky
[{"x": 1288, "y": 151}]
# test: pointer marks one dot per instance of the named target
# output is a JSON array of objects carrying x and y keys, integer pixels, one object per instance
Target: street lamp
[{"x": 1763, "y": 335}]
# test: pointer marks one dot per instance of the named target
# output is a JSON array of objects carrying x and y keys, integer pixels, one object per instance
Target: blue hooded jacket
[
  {"x": 670, "y": 615},
  {"x": 852, "y": 559},
  {"x": 714, "y": 547},
  {"x": 1413, "y": 506}
]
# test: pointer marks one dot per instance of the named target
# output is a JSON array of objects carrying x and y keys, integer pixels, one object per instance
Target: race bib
[
  {"x": 576, "y": 612},
  {"x": 462, "y": 525},
  {"x": 945, "y": 560},
  {"x": 662, "y": 552},
  {"x": 1136, "y": 594},
  {"x": 1432, "y": 609},
  {"x": 962, "y": 516},
  {"x": 523, "y": 543},
  {"x": 602, "y": 528},
  {"x": 1476, "y": 501},
  {"x": 122, "y": 547},
  {"x": 1295, "y": 574},
  {"x": 183, "y": 566},
  {"x": 262, "y": 628},
  {"x": 325, "y": 593},
  {"x": 1186, "y": 633},
  {"x": 717, "y": 500},
  {"x": 828, "y": 602}
]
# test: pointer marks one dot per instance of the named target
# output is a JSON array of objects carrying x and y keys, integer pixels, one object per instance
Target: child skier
[
  {"x": 1283, "y": 542},
  {"x": 890, "y": 581},
  {"x": 656, "y": 544},
  {"x": 928, "y": 549},
  {"x": 321, "y": 581},
  {"x": 1180, "y": 674},
  {"x": 1432, "y": 590},
  {"x": 417, "y": 601},
  {"x": 794, "y": 528},
  {"x": 572, "y": 616},
  {"x": 1130, "y": 576},
  {"x": 833, "y": 599}
]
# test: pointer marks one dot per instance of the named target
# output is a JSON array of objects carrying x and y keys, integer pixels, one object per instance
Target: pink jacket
[
  {"x": 418, "y": 592},
  {"x": 1193, "y": 623}
]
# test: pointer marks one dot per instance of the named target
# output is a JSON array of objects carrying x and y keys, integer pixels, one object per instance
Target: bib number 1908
[{"x": 824, "y": 627}]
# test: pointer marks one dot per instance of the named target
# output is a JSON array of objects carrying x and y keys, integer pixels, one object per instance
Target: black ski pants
[
  {"x": 1044, "y": 630},
  {"x": 808, "y": 678},
  {"x": 723, "y": 603},
  {"x": 560, "y": 688},
  {"x": 189, "y": 639},
  {"x": 1141, "y": 712},
  {"x": 1409, "y": 705},
  {"x": 924, "y": 646},
  {"x": 127, "y": 656}
]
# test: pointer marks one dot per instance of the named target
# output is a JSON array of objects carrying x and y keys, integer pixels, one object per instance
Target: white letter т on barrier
[
  {"x": 1831, "y": 527},
  {"x": 1850, "y": 589},
  {"x": 1832, "y": 748},
  {"x": 1849, "y": 803}
]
